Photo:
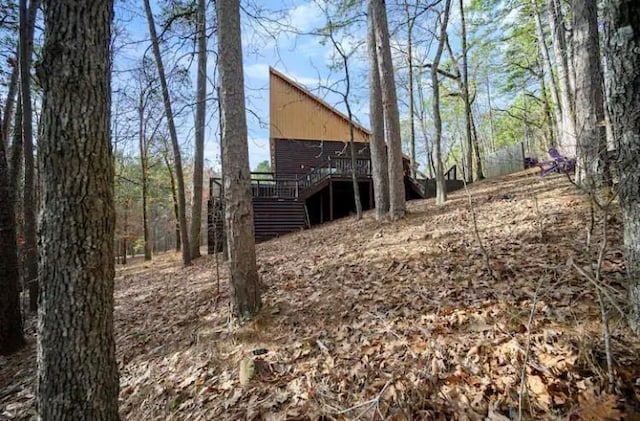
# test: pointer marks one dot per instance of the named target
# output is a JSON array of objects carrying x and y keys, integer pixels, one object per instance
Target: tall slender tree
[
  {"x": 11, "y": 334},
  {"x": 441, "y": 187},
  {"x": 77, "y": 368},
  {"x": 201, "y": 109},
  {"x": 173, "y": 134},
  {"x": 235, "y": 168},
  {"x": 590, "y": 127},
  {"x": 391, "y": 113},
  {"x": 27, "y": 24},
  {"x": 379, "y": 163},
  {"x": 622, "y": 49}
]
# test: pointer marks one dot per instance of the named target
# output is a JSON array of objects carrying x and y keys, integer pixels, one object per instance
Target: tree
[
  {"x": 622, "y": 49},
  {"x": 391, "y": 113},
  {"x": 201, "y": 108},
  {"x": 235, "y": 166},
  {"x": 591, "y": 135},
  {"x": 173, "y": 134},
  {"x": 27, "y": 24},
  {"x": 441, "y": 187},
  {"x": 379, "y": 163},
  {"x": 77, "y": 368},
  {"x": 263, "y": 166},
  {"x": 11, "y": 334}
]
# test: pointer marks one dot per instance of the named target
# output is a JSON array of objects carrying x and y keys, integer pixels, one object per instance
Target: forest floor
[{"x": 369, "y": 320}]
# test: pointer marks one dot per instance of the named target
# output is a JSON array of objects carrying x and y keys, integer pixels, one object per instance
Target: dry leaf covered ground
[{"x": 368, "y": 320}]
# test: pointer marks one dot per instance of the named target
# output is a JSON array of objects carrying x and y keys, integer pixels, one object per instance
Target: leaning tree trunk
[
  {"x": 592, "y": 138},
  {"x": 237, "y": 183},
  {"x": 77, "y": 367},
  {"x": 441, "y": 187},
  {"x": 622, "y": 23},
  {"x": 379, "y": 163},
  {"x": 11, "y": 334},
  {"x": 391, "y": 114},
  {"x": 465, "y": 97},
  {"x": 27, "y": 24},
  {"x": 201, "y": 107},
  {"x": 174, "y": 200},
  {"x": 173, "y": 134}
]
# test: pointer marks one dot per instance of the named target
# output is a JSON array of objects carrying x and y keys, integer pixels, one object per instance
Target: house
[{"x": 311, "y": 162}]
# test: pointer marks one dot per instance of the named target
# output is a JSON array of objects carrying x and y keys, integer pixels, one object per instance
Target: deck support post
[
  {"x": 330, "y": 199},
  {"x": 371, "y": 204}
]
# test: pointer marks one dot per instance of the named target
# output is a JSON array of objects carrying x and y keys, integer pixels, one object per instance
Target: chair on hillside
[{"x": 558, "y": 163}]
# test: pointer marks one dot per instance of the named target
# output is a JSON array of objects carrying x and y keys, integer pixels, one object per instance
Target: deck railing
[{"x": 267, "y": 184}]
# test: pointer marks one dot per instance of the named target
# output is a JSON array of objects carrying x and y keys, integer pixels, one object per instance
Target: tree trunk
[
  {"x": 465, "y": 97},
  {"x": 441, "y": 187},
  {"x": 198, "y": 164},
  {"x": 543, "y": 51},
  {"x": 412, "y": 128},
  {"x": 592, "y": 140},
  {"x": 174, "y": 198},
  {"x": 8, "y": 107},
  {"x": 27, "y": 24},
  {"x": 237, "y": 182},
  {"x": 567, "y": 139},
  {"x": 177, "y": 160},
  {"x": 379, "y": 163},
  {"x": 476, "y": 149},
  {"x": 144, "y": 164},
  {"x": 11, "y": 334},
  {"x": 622, "y": 23},
  {"x": 126, "y": 232},
  {"x": 391, "y": 113},
  {"x": 77, "y": 368}
]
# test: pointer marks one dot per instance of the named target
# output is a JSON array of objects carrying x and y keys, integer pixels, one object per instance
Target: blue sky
[{"x": 302, "y": 57}]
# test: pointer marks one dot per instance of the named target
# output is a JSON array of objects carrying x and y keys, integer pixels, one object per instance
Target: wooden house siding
[
  {"x": 293, "y": 158},
  {"x": 295, "y": 113}
]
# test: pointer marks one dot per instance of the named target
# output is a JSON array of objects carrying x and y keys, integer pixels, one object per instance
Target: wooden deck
[{"x": 283, "y": 204}]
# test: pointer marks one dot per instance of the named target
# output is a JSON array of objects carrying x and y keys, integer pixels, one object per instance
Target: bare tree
[
  {"x": 77, "y": 367},
  {"x": 441, "y": 187},
  {"x": 184, "y": 233},
  {"x": 235, "y": 168},
  {"x": 379, "y": 163},
  {"x": 391, "y": 113},
  {"x": 27, "y": 24},
  {"x": 201, "y": 109}
]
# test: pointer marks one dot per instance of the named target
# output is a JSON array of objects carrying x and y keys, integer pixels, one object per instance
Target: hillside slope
[{"x": 384, "y": 321}]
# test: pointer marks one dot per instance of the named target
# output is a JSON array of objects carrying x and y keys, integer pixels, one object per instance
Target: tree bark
[
  {"x": 144, "y": 165},
  {"x": 201, "y": 107},
  {"x": 567, "y": 139},
  {"x": 465, "y": 96},
  {"x": 174, "y": 198},
  {"x": 8, "y": 106},
  {"x": 77, "y": 368},
  {"x": 592, "y": 140},
  {"x": 237, "y": 182},
  {"x": 391, "y": 113},
  {"x": 543, "y": 50},
  {"x": 27, "y": 24},
  {"x": 622, "y": 26},
  {"x": 379, "y": 162},
  {"x": 177, "y": 160},
  {"x": 11, "y": 333},
  {"x": 441, "y": 187}
]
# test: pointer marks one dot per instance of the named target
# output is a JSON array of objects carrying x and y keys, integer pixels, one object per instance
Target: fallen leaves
[{"x": 379, "y": 321}]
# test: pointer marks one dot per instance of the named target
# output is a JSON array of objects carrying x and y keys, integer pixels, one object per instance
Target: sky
[{"x": 304, "y": 58}]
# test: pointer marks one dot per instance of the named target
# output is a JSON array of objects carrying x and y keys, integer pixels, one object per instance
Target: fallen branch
[{"x": 371, "y": 402}]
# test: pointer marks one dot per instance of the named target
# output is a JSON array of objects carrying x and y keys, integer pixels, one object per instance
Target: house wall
[
  {"x": 295, "y": 113},
  {"x": 291, "y": 158}
]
